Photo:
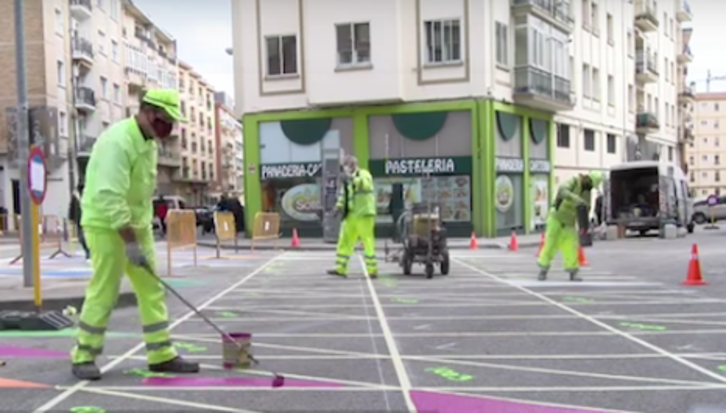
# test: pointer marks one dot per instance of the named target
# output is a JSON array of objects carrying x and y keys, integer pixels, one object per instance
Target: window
[
  {"x": 673, "y": 33},
  {"x": 113, "y": 6},
  {"x": 691, "y": 161},
  {"x": 101, "y": 43},
  {"x": 715, "y": 107},
  {"x": 104, "y": 87},
  {"x": 589, "y": 140},
  {"x": 611, "y": 90},
  {"x": 630, "y": 43},
  {"x": 716, "y": 160},
  {"x": 717, "y": 178},
  {"x": 715, "y": 124},
  {"x": 62, "y": 124},
  {"x": 104, "y": 125},
  {"x": 670, "y": 154},
  {"x": 612, "y": 143},
  {"x": 502, "y": 34},
  {"x": 114, "y": 50},
  {"x": 281, "y": 55},
  {"x": 59, "y": 23},
  {"x": 596, "y": 84},
  {"x": 595, "y": 21},
  {"x": 61, "y": 73},
  {"x": 586, "y": 80},
  {"x": 116, "y": 93},
  {"x": 715, "y": 141},
  {"x": 586, "y": 14},
  {"x": 100, "y": 4},
  {"x": 631, "y": 98},
  {"x": 354, "y": 43},
  {"x": 563, "y": 135},
  {"x": 443, "y": 41},
  {"x": 611, "y": 30},
  {"x": 704, "y": 158}
]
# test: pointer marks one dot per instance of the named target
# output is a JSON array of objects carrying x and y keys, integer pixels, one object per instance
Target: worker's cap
[
  {"x": 166, "y": 100},
  {"x": 596, "y": 178}
]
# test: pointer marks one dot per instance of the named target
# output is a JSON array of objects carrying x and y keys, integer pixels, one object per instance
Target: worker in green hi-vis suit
[
  {"x": 117, "y": 215},
  {"x": 560, "y": 229},
  {"x": 357, "y": 204}
]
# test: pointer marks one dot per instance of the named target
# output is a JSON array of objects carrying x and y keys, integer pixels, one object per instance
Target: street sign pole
[
  {"x": 37, "y": 186},
  {"x": 23, "y": 145}
]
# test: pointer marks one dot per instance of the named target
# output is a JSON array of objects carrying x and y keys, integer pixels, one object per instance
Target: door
[{"x": 16, "y": 196}]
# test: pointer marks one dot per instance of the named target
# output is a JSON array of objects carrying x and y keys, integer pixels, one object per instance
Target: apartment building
[
  {"x": 230, "y": 167},
  {"x": 498, "y": 101},
  {"x": 50, "y": 94},
  {"x": 686, "y": 96},
  {"x": 195, "y": 181},
  {"x": 706, "y": 153}
]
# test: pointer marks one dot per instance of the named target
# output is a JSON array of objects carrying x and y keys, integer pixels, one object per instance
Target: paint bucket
[{"x": 236, "y": 350}]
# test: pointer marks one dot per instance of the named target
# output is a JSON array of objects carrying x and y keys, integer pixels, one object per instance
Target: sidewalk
[
  {"x": 57, "y": 294},
  {"x": 317, "y": 244}
]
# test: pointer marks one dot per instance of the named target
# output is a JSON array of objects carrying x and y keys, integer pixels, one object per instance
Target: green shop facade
[{"x": 490, "y": 163}]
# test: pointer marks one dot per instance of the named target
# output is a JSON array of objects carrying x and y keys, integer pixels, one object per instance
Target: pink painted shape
[
  {"x": 451, "y": 403},
  {"x": 29, "y": 352},
  {"x": 229, "y": 381}
]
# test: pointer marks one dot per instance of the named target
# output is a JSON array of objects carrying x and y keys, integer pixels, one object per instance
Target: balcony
[
  {"x": 542, "y": 90},
  {"x": 686, "y": 56},
  {"x": 646, "y": 122},
  {"x": 646, "y": 67},
  {"x": 169, "y": 157},
  {"x": 555, "y": 12},
  {"x": 82, "y": 50},
  {"x": 85, "y": 145},
  {"x": 683, "y": 13},
  {"x": 686, "y": 96},
  {"x": 81, "y": 9},
  {"x": 685, "y": 135},
  {"x": 646, "y": 18},
  {"x": 85, "y": 99}
]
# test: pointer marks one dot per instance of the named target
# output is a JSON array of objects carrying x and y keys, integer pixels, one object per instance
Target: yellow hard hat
[
  {"x": 167, "y": 100},
  {"x": 596, "y": 177}
]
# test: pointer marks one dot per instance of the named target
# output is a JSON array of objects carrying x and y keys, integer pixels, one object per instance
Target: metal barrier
[
  {"x": 225, "y": 229},
  {"x": 181, "y": 233},
  {"x": 53, "y": 233},
  {"x": 266, "y": 226}
]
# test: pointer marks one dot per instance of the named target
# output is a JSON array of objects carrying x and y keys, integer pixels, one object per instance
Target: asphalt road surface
[{"x": 486, "y": 338}]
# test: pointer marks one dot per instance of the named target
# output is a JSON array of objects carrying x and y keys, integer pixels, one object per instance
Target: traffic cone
[
  {"x": 473, "y": 243},
  {"x": 513, "y": 244},
  {"x": 694, "y": 276},
  {"x": 581, "y": 257},
  {"x": 295, "y": 240},
  {"x": 541, "y": 245}
]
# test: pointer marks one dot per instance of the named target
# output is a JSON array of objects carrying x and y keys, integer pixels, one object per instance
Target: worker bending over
[
  {"x": 560, "y": 230},
  {"x": 117, "y": 216},
  {"x": 357, "y": 204}
]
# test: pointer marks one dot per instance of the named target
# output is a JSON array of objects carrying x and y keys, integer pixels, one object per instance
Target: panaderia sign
[{"x": 290, "y": 170}]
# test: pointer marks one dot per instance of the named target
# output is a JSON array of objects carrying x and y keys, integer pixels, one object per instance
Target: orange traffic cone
[
  {"x": 581, "y": 257},
  {"x": 473, "y": 243},
  {"x": 513, "y": 244},
  {"x": 694, "y": 276},
  {"x": 541, "y": 245},
  {"x": 295, "y": 240}
]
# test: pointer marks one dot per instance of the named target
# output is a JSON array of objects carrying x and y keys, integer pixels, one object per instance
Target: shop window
[{"x": 451, "y": 193}]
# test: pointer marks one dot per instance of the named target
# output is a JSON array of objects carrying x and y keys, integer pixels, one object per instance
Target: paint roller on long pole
[{"x": 279, "y": 379}]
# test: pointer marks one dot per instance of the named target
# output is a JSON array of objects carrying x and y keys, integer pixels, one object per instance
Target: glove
[{"x": 136, "y": 255}]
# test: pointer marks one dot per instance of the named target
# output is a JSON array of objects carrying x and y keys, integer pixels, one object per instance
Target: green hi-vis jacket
[
  {"x": 569, "y": 196},
  {"x": 120, "y": 179},
  {"x": 360, "y": 196}
]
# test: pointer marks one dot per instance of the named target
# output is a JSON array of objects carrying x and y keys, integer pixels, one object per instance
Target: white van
[{"x": 645, "y": 195}]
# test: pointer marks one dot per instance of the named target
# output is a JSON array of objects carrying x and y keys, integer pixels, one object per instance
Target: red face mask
[{"x": 162, "y": 127}]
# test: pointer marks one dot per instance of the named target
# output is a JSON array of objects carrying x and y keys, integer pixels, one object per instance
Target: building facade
[
  {"x": 198, "y": 174},
  {"x": 500, "y": 100},
  {"x": 230, "y": 167},
  {"x": 705, "y": 154}
]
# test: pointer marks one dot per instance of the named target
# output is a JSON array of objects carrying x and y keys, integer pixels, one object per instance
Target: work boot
[
  {"x": 574, "y": 276},
  {"x": 542, "y": 275},
  {"x": 373, "y": 275},
  {"x": 175, "y": 365},
  {"x": 337, "y": 273},
  {"x": 86, "y": 371}
]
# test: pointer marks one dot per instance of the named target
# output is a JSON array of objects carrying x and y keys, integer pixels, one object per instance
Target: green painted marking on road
[
  {"x": 192, "y": 348},
  {"x": 185, "y": 283},
  {"x": 722, "y": 367},
  {"x": 645, "y": 327},
  {"x": 146, "y": 373},
  {"x": 87, "y": 409},
  {"x": 405, "y": 300},
  {"x": 226, "y": 314},
  {"x": 449, "y": 374},
  {"x": 577, "y": 300},
  {"x": 68, "y": 332}
]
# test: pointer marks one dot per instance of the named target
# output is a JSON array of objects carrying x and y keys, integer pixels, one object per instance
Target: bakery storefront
[
  {"x": 429, "y": 154},
  {"x": 290, "y": 168}
]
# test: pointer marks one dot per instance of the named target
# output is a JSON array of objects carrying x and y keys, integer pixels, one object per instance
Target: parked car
[
  {"x": 172, "y": 201},
  {"x": 702, "y": 212},
  {"x": 205, "y": 217}
]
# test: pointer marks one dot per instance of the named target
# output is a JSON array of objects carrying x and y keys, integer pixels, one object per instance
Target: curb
[
  {"x": 125, "y": 299},
  {"x": 492, "y": 246}
]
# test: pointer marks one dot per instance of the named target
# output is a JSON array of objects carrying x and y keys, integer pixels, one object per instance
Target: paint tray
[{"x": 236, "y": 350}]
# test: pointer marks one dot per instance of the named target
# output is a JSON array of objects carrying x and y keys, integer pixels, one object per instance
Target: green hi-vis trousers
[
  {"x": 351, "y": 230},
  {"x": 560, "y": 237},
  {"x": 108, "y": 258}
]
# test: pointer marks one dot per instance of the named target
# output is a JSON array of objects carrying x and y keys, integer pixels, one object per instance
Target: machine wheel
[
  {"x": 700, "y": 218},
  {"x": 690, "y": 228},
  {"x": 406, "y": 263},
  {"x": 429, "y": 270},
  {"x": 444, "y": 266}
]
